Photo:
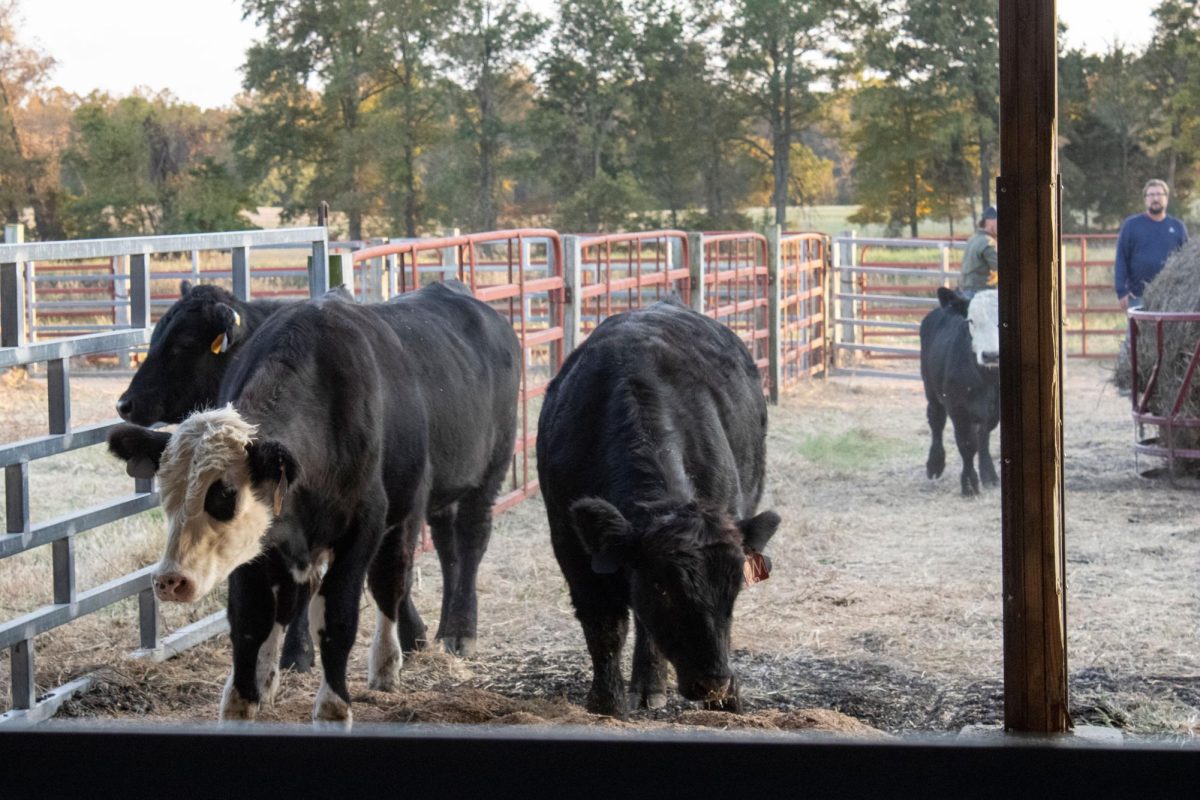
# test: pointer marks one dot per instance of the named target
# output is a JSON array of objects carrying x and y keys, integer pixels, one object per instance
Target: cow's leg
[
  {"x": 604, "y": 628},
  {"x": 472, "y": 531},
  {"x": 935, "y": 412},
  {"x": 602, "y": 611},
  {"x": 987, "y": 469},
  {"x": 333, "y": 614},
  {"x": 648, "y": 683},
  {"x": 255, "y": 633},
  {"x": 966, "y": 437},
  {"x": 298, "y": 651},
  {"x": 390, "y": 579},
  {"x": 441, "y": 526}
]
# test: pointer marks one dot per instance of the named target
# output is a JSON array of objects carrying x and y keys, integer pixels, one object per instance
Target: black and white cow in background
[
  {"x": 190, "y": 350},
  {"x": 651, "y": 454},
  {"x": 345, "y": 427},
  {"x": 960, "y": 366}
]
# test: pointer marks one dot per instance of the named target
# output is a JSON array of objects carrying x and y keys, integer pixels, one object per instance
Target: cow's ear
[
  {"x": 946, "y": 296},
  {"x": 272, "y": 470},
  {"x": 758, "y": 530},
  {"x": 229, "y": 329},
  {"x": 185, "y": 286},
  {"x": 605, "y": 534},
  {"x": 140, "y": 448}
]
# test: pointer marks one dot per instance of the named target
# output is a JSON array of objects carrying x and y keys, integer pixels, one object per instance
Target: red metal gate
[
  {"x": 736, "y": 286},
  {"x": 499, "y": 267},
  {"x": 802, "y": 269}
]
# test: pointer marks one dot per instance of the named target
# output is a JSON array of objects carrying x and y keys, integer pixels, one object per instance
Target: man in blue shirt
[{"x": 1144, "y": 243}]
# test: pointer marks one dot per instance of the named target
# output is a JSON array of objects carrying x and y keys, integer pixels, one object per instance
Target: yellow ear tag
[{"x": 220, "y": 344}]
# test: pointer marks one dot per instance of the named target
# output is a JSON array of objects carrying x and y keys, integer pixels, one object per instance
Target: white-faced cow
[
  {"x": 345, "y": 427},
  {"x": 960, "y": 365},
  {"x": 190, "y": 350},
  {"x": 651, "y": 453}
]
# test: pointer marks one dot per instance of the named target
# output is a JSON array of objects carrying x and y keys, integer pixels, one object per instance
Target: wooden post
[{"x": 1031, "y": 372}]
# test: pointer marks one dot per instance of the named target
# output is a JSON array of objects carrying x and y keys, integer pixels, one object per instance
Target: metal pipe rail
[
  {"x": 21, "y": 534},
  {"x": 54, "y": 291}
]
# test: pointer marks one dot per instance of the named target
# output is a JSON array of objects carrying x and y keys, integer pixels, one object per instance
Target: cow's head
[
  {"x": 188, "y": 354},
  {"x": 685, "y": 565},
  {"x": 220, "y": 489},
  {"x": 982, "y": 312},
  {"x": 983, "y": 315}
]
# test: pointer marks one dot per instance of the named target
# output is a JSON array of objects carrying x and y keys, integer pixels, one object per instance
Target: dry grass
[{"x": 883, "y": 608}]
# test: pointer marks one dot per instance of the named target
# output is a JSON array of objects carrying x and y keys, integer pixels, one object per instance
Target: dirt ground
[{"x": 882, "y": 613}]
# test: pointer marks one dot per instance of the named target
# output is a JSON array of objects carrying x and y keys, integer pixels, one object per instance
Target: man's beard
[{"x": 1157, "y": 208}]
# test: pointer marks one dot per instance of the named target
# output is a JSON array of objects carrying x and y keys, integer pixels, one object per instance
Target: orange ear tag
[
  {"x": 220, "y": 344},
  {"x": 756, "y": 568}
]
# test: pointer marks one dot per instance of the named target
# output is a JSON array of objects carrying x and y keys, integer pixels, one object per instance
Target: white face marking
[
  {"x": 385, "y": 657},
  {"x": 983, "y": 316},
  {"x": 208, "y": 447}
]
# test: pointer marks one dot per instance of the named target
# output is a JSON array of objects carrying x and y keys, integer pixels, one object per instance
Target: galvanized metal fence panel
[
  {"x": 883, "y": 287},
  {"x": 21, "y": 533}
]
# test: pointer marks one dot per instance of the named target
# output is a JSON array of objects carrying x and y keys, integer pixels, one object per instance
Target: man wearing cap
[
  {"x": 979, "y": 260},
  {"x": 1144, "y": 243}
]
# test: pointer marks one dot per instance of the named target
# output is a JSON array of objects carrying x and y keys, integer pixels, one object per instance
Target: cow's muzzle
[
  {"x": 138, "y": 412},
  {"x": 991, "y": 360},
  {"x": 174, "y": 587}
]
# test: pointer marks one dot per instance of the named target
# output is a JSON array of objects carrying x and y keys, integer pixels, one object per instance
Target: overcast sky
[{"x": 195, "y": 48}]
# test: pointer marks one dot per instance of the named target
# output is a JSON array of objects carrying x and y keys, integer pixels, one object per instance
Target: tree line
[{"x": 410, "y": 116}]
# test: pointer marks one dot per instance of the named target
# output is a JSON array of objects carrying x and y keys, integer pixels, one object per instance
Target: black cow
[
  {"x": 960, "y": 365},
  {"x": 651, "y": 452},
  {"x": 190, "y": 350},
  {"x": 345, "y": 427}
]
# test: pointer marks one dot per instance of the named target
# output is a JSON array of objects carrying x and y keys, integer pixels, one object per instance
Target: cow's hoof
[
  {"x": 234, "y": 707},
  {"x": 331, "y": 711},
  {"x": 461, "y": 646},
  {"x": 608, "y": 706},
  {"x": 386, "y": 680},
  {"x": 651, "y": 700},
  {"x": 933, "y": 471},
  {"x": 991, "y": 481}
]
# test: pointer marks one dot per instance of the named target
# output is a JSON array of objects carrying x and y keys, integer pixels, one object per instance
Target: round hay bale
[{"x": 1177, "y": 288}]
